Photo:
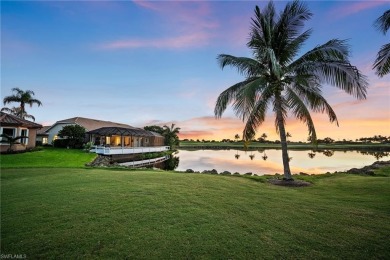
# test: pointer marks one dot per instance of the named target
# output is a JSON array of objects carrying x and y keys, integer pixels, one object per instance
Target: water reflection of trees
[
  {"x": 328, "y": 153},
  {"x": 169, "y": 165},
  {"x": 311, "y": 154},
  {"x": 377, "y": 154},
  {"x": 265, "y": 157}
]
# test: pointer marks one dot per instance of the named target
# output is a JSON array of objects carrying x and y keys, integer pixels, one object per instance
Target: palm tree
[
  {"x": 171, "y": 135},
  {"x": 288, "y": 135},
  {"x": 382, "y": 61},
  {"x": 275, "y": 78},
  {"x": 10, "y": 140},
  {"x": 23, "y": 98},
  {"x": 17, "y": 112},
  {"x": 237, "y": 137}
]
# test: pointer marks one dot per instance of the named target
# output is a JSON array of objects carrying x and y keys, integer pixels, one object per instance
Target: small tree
[
  {"x": 10, "y": 140},
  {"x": 73, "y": 134},
  {"x": 154, "y": 128},
  {"x": 171, "y": 135}
]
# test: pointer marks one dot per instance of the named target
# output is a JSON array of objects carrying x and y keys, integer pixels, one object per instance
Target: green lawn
[
  {"x": 48, "y": 157},
  {"x": 74, "y": 213}
]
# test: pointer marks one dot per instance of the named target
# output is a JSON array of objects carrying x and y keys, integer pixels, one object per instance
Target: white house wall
[{"x": 53, "y": 131}]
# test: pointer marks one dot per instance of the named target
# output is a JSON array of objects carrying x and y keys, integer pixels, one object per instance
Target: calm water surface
[{"x": 270, "y": 161}]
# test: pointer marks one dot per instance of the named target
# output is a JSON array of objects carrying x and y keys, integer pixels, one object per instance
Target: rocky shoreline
[
  {"x": 369, "y": 170},
  {"x": 104, "y": 161}
]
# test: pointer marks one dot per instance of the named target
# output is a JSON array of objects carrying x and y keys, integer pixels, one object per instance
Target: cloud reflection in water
[{"x": 226, "y": 160}]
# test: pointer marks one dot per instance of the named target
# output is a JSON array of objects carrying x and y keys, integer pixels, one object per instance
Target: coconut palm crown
[
  {"x": 17, "y": 112},
  {"x": 276, "y": 79},
  {"x": 171, "y": 135},
  {"x": 23, "y": 98},
  {"x": 382, "y": 61}
]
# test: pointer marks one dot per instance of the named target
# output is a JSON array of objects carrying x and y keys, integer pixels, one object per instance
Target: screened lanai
[
  {"x": 120, "y": 136},
  {"x": 120, "y": 140}
]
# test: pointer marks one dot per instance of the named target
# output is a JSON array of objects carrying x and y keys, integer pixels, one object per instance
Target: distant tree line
[{"x": 326, "y": 140}]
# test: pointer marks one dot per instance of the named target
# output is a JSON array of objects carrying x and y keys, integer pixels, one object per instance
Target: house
[
  {"x": 126, "y": 140},
  {"x": 42, "y": 136},
  {"x": 108, "y": 136},
  {"x": 88, "y": 123},
  {"x": 15, "y": 126}
]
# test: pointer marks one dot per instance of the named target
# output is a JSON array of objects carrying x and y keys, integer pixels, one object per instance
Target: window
[
  {"x": 24, "y": 132},
  {"x": 44, "y": 140},
  {"x": 9, "y": 131}
]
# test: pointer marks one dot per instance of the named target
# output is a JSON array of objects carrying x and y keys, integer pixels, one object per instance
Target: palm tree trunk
[{"x": 283, "y": 140}]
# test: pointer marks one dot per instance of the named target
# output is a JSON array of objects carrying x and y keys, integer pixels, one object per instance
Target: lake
[{"x": 270, "y": 161}]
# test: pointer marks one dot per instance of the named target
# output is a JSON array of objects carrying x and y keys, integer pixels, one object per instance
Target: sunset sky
[{"x": 144, "y": 63}]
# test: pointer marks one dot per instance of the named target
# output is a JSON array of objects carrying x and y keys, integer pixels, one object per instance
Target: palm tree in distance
[
  {"x": 382, "y": 61},
  {"x": 23, "y": 98},
  {"x": 275, "y": 78},
  {"x": 237, "y": 137},
  {"x": 288, "y": 135},
  {"x": 171, "y": 135},
  {"x": 16, "y": 111}
]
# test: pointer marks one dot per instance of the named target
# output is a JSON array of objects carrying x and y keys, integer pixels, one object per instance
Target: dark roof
[
  {"x": 108, "y": 131},
  {"x": 11, "y": 120},
  {"x": 91, "y": 124},
  {"x": 42, "y": 131}
]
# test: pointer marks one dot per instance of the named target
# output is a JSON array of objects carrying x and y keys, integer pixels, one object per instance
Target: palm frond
[
  {"x": 257, "y": 115},
  {"x": 18, "y": 91},
  {"x": 332, "y": 50},
  {"x": 301, "y": 112},
  {"x": 292, "y": 47},
  {"x": 29, "y": 116},
  {"x": 292, "y": 19},
  {"x": 330, "y": 63},
  {"x": 383, "y": 22},
  {"x": 10, "y": 99},
  {"x": 262, "y": 26},
  {"x": 310, "y": 94},
  {"x": 344, "y": 76},
  {"x": 228, "y": 96},
  {"x": 382, "y": 61},
  {"x": 246, "y": 66},
  {"x": 289, "y": 27},
  {"x": 34, "y": 101}
]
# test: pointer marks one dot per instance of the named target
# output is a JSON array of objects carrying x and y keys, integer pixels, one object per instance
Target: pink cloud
[
  {"x": 196, "y": 14},
  {"x": 189, "y": 23},
  {"x": 349, "y": 8},
  {"x": 197, "y": 39}
]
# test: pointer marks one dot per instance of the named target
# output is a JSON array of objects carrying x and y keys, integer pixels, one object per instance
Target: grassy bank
[
  {"x": 53, "y": 207},
  {"x": 96, "y": 213}
]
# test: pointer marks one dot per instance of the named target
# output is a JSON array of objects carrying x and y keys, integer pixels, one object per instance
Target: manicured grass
[
  {"x": 48, "y": 157},
  {"x": 118, "y": 214}
]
